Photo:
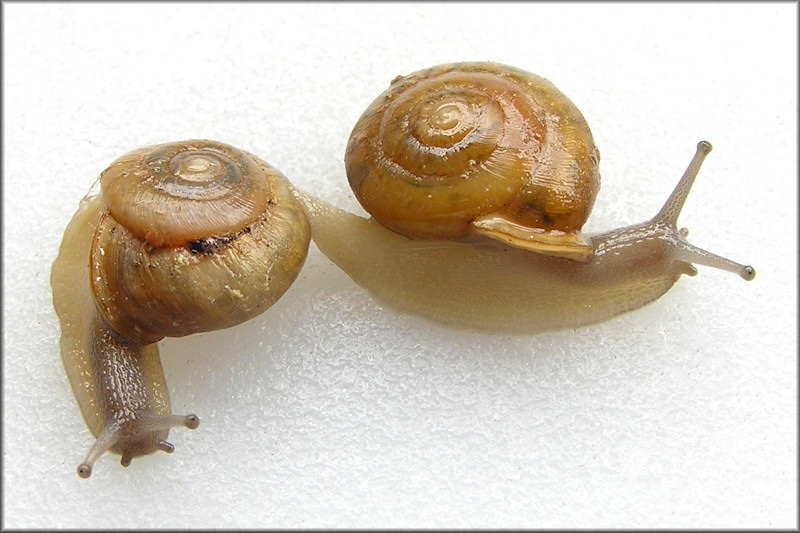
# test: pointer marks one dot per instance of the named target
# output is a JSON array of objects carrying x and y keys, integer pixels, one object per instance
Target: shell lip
[{"x": 556, "y": 243}]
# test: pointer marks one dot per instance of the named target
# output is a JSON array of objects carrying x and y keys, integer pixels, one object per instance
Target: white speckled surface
[{"x": 330, "y": 410}]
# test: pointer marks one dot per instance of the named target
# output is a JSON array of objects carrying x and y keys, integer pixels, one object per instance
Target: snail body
[
  {"x": 513, "y": 263},
  {"x": 183, "y": 238}
]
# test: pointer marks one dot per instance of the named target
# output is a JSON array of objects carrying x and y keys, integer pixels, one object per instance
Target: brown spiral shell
[
  {"x": 467, "y": 148},
  {"x": 174, "y": 193},
  {"x": 197, "y": 236}
]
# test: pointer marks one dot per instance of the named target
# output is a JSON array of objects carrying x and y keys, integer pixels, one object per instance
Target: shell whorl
[
  {"x": 445, "y": 146},
  {"x": 153, "y": 278},
  {"x": 175, "y": 193}
]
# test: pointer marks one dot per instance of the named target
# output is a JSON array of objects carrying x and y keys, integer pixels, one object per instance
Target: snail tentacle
[
  {"x": 108, "y": 438},
  {"x": 668, "y": 217},
  {"x": 115, "y": 432},
  {"x": 507, "y": 254},
  {"x": 181, "y": 238}
]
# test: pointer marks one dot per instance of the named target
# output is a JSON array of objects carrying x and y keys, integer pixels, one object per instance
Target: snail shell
[
  {"x": 477, "y": 148},
  {"x": 185, "y": 237},
  {"x": 478, "y": 177}
]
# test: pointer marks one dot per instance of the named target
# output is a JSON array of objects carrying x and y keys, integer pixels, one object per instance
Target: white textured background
[{"x": 330, "y": 410}]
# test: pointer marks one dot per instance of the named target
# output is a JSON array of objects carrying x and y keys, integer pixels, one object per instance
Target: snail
[
  {"x": 182, "y": 238},
  {"x": 478, "y": 178}
]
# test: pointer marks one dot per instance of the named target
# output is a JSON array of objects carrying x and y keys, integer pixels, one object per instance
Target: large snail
[
  {"x": 484, "y": 175},
  {"x": 184, "y": 237}
]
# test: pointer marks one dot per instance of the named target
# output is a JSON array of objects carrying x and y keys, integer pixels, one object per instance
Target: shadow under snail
[
  {"x": 183, "y": 238},
  {"x": 479, "y": 177}
]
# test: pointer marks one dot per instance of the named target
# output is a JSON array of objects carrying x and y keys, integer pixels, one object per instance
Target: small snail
[
  {"x": 184, "y": 237},
  {"x": 484, "y": 175}
]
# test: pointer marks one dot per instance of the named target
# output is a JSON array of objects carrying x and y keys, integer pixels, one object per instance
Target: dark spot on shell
[
  {"x": 206, "y": 245},
  {"x": 209, "y": 245}
]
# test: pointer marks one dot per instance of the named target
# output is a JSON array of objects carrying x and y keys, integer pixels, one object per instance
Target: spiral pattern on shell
[
  {"x": 446, "y": 145},
  {"x": 179, "y": 192},
  {"x": 197, "y": 236}
]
